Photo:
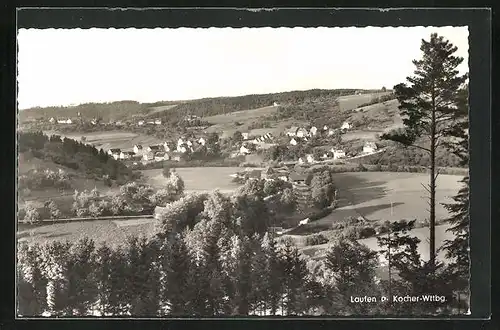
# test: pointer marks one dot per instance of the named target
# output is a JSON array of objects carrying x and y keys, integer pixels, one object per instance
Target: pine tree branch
[{"x": 426, "y": 188}]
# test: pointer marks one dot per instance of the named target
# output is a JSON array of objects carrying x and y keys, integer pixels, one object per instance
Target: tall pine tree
[{"x": 427, "y": 106}]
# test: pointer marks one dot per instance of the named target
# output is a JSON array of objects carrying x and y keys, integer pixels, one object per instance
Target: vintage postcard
[{"x": 243, "y": 172}]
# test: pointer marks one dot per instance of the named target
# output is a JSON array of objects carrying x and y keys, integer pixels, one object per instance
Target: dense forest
[
  {"x": 223, "y": 105},
  {"x": 75, "y": 155}
]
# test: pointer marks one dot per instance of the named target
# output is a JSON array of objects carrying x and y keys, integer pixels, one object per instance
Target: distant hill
[
  {"x": 106, "y": 111},
  {"x": 224, "y": 105},
  {"x": 176, "y": 110}
]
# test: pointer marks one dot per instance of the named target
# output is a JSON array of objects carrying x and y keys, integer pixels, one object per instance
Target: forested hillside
[
  {"x": 223, "y": 105},
  {"x": 105, "y": 111},
  {"x": 75, "y": 155},
  {"x": 203, "y": 107}
]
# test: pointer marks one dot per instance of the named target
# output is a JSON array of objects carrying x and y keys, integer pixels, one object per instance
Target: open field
[
  {"x": 110, "y": 231},
  {"x": 318, "y": 251},
  {"x": 380, "y": 196},
  {"x": 381, "y": 116},
  {"x": 111, "y": 139},
  {"x": 198, "y": 179},
  {"x": 78, "y": 181},
  {"x": 226, "y": 125},
  {"x": 350, "y": 102},
  {"x": 361, "y": 135},
  {"x": 241, "y": 116}
]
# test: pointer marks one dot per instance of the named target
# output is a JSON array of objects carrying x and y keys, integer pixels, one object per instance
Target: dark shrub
[
  {"x": 367, "y": 232},
  {"x": 316, "y": 239}
]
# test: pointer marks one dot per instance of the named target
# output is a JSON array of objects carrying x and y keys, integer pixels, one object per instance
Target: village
[
  {"x": 275, "y": 185},
  {"x": 245, "y": 144}
]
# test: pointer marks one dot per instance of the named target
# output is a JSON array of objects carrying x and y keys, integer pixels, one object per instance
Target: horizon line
[{"x": 73, "y": 105}]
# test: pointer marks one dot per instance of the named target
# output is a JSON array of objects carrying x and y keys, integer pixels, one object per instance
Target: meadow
[
  {"x": 318, "y": 251},
  {"x": 63, "y": 198},
  {"x": 197, "y": 179},
  {"x": 350, "y": 102},
  {"x": 112, "y": 232},
  {"x": 379, "y": 116},
  {"x": 244, "y": 120},
  {"x": 381, "y": 196},
  {"x": 242, "y": 116}
]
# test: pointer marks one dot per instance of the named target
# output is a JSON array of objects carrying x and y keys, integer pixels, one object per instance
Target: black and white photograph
[{"x": 243, "y": 172}]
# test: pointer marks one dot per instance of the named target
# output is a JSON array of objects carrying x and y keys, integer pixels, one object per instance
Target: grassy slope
[
  {"x": 100, "y": 231},
  {"x": 370, "y": 194},
  {"x": 78, "y": 180}
]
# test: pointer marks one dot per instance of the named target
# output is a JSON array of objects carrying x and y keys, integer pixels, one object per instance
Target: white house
[
  {"x": 140, "y": 123},
  {"x": 148, "y": 156},
  {"x": 244, "y": 150},
  {"x": 159, "y": 156},
  {"x": 325, "y": 128},
  {"x": 301, "y": 132},
  {"x": 301, "y": 160},
  {"x": 181, "y": 148},
  {"x": 245, "y": 135},
  {"x": 115, "y": 153},
  {"x": 64, "y": 121},
  {"x": 154, "y": 148},
  {"x": 52, "y": 120},
  {"x": 275, "y": 104},
  {"x": 283, "y": 177},
  {"x": 93, "y": 122},
  {"x": 189, "y": 143},
  {"x": 310, "y": 158},
  {"x": 292, "y": 131},
  {"x": 168, "y": 146},
  {"x": 369, "y": 147},
  {"x": 331, "y": 132},
  {"x": 127, "y": 154},
  {"x": 157, "y": 122},
  {"x": 338, "y": 153},
  {"x": 304, "y": 222},
  {"x": 138, "y": 148},
  {"x": 313, "y": 130},
  {"x": 202, "y": 141},
  {"x": 293, "y": 142},
  {"x": 346, "y": 125}
]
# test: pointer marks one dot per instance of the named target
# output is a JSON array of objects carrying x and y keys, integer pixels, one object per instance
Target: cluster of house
[
  {"x": 269, "y": 174},
  {"x": 298, "y": 134},
  {"x": 248, "y": 146},
  {"x": 53, "y": 120},
  {"x": 149, "y": 122},
  {"x": 159, "y": 152},
  {"x": 334, "y": 154},
  {"x": 331, "y": 154}
]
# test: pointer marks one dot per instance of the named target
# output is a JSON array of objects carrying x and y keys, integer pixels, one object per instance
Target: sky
[{"x": 73, "y": 66}]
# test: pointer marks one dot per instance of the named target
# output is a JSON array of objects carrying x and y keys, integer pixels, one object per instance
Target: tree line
[{"x": 205, "y": 258}]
